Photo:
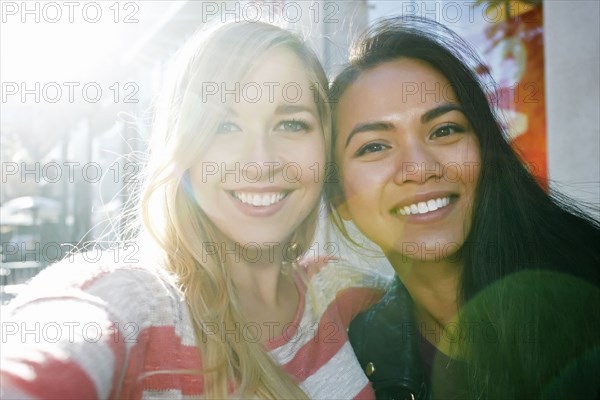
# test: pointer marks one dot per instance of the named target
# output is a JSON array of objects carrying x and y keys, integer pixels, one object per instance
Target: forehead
[
  {"x": 396, "y": 84},
  {"x": 278, "y": 65},
  {"x": 279, "y": 76},
  {"x": 403, "y": 74}
]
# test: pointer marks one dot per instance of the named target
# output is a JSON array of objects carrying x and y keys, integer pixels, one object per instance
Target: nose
[
  {"x": 416, "y": 162},
  {"x": 261, "y": 157}
]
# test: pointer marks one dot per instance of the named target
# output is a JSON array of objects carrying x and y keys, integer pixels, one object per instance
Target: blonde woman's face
[{"x": 262, "y": 172}]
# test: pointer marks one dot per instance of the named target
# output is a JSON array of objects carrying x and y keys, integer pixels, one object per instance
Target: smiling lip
[
  {"x": 255, "y": 199},
  {"x": 259, "y": 201},
  {"x": 425, "y": 207}
]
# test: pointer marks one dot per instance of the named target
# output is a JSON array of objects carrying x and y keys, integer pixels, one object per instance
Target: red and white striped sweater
[{"x": 90, "y": 331}]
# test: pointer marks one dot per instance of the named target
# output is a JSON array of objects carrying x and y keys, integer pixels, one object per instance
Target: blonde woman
[{"x": 230, "y": 201}]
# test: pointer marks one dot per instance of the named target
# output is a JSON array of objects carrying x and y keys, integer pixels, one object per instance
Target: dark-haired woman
[{"x": 497, "y": 292}]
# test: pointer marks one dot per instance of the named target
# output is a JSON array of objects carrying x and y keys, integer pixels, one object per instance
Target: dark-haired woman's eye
[
  {"x": 446, "y": 130},
  {"x": 371, "y": 148},
  {"x": 292, "y": 126},
  {"x": 227, "y": 127}
]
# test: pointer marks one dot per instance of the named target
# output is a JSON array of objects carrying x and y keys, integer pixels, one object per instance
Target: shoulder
[
  {"x": 102, "y": 279},
  {"x": 335, "y": 274},
  {"x": 350, "y": 287}
]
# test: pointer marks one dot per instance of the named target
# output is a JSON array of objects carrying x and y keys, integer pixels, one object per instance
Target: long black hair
[{"x": 517, "y": 228}]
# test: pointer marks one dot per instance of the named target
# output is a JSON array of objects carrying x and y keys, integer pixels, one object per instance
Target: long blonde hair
[{"x": 183, "y": 127}]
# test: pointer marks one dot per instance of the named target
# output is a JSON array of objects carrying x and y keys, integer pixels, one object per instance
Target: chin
[
  {"x": 263, "y": 241},
  {"x": 428, "y": 250}
]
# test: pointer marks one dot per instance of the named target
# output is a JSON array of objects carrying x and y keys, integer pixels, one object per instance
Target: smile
[
  {"x": 259, "y": 199},
  {"x": 422, "y": 207}
]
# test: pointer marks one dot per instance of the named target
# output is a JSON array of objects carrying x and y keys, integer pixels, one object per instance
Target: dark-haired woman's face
[{"x": 409, "y": 160}]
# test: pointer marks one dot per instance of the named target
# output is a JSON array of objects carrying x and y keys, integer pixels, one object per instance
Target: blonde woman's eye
[
  {"x": 227, "y": 127},
  {"x": 446, "y": 130},
  {"x": 293, "y": 126}
]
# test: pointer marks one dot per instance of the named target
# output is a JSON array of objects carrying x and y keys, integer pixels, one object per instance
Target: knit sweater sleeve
[
  {"x": 70, "y": 333},
  {"x": 355, "y": 287}
]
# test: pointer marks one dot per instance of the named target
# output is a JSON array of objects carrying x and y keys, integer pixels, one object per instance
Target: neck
[
  {"x": 267, "y": 296},
  {"x": 257, "y": 274},
  {"x": 433, "y": 286}
]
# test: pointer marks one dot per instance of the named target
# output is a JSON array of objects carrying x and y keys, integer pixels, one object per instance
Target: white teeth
[
  {"x": 432, "y": 205},
  {"x": 423, "y": 207},
  {"x": 259, "y": 199}
]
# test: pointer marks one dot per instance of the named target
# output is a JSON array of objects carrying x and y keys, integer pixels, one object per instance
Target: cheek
[
  {"x": 461, "y": 163},
  {"x": 307, "y": 160},
  {"x": 350, "y": 183},
  {"x": 362, "y": 183},
  {"x": 207, "y": 168},
  {"x": 205, "y": 173},
  {"x": 199, "y": 175}
]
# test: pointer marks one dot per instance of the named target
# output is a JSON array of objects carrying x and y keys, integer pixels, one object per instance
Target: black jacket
[
  {"x": 385, "y": 339},
  {"x": 386, "y": 342}
]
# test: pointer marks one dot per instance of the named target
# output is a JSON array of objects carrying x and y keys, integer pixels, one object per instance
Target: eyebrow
[
  {"x": 387, "y": 126},
  {"x": 440, "y": 110},
  {"x": 280, "y": 110},
  {"x": 369, "y": 127},
  {"x": 292, "y": 109}
]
